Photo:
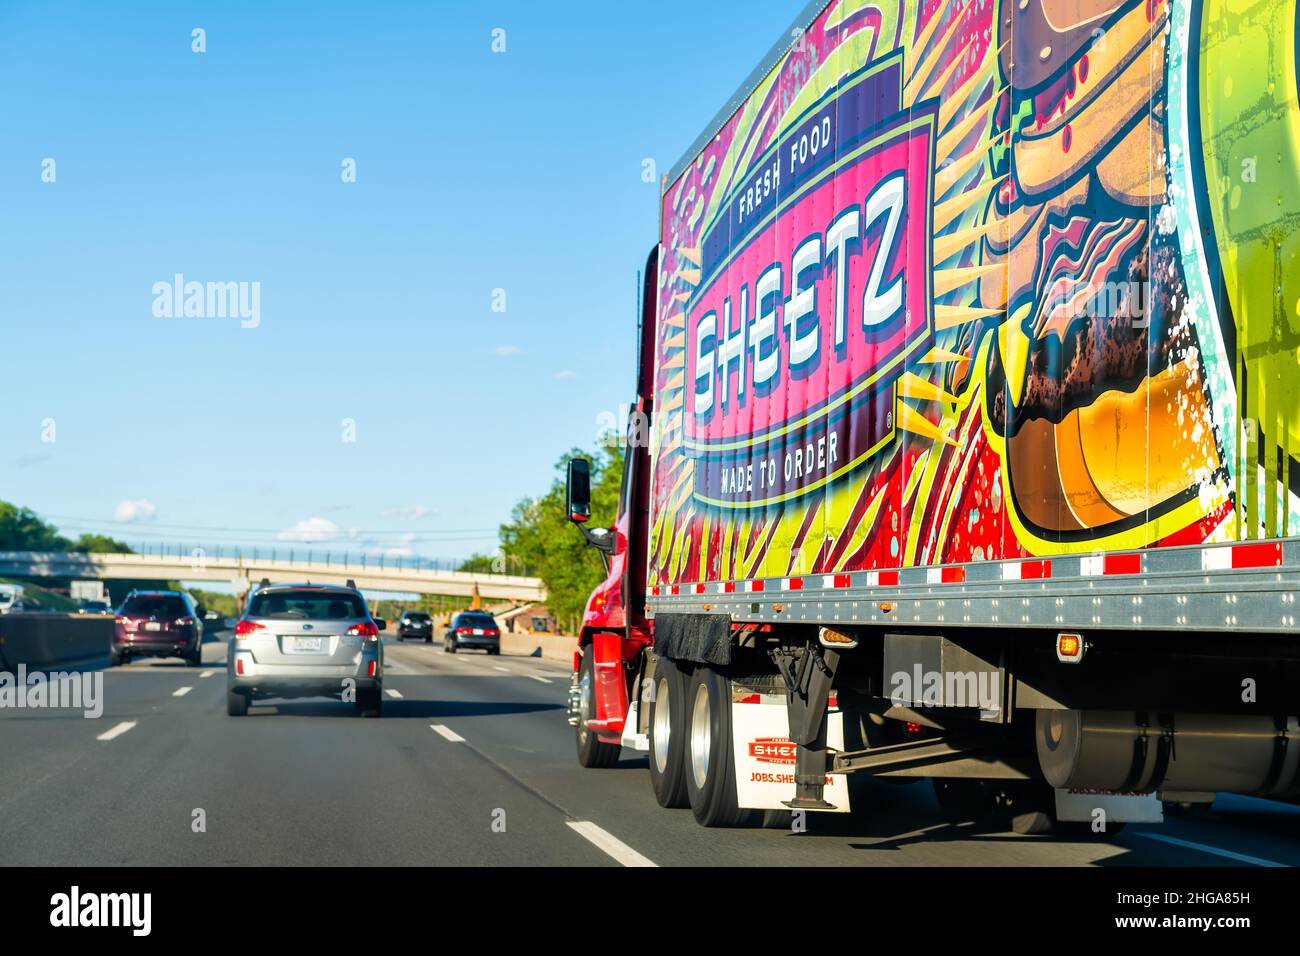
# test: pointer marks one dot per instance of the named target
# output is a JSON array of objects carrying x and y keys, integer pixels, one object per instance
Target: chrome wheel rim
[
  {"x": 661, "y": 725},
  {"x": 701, "y": 736},
  {"x": 584, "y": 704}
]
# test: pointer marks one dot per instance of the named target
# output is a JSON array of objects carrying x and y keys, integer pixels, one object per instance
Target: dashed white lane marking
[
  {"x": 504, "y": 670},
  {"x": 609, "y": 844},
  {"x": 1216, "y": 851},
  {"x": 447, "y": 733},
  {"x": 395, "y": 694},
  {"x": 182, "y": 691},
  {"x": 117, "y": 731},
  {"x": 544, "y": 680},
  {"x": 206, "y": 674}
]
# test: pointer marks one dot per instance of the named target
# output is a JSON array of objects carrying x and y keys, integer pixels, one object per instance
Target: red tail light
[
  {"x": 366, "y": 629},
  {"x": 183, "y": 621},
  {"x": 373, "y": 666},
  {"x": 244, "y": 628},
  {"x": 239, "y": 666},
  {"x": 464, "y": 630},
  {"x": 127, "y": 624}
]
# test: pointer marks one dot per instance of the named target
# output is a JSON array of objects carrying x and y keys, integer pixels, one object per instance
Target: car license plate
[
  {"x": 478, "y": 630},
  {"x": 153, "y": 626},
  {"x": 304, "y": 643}
]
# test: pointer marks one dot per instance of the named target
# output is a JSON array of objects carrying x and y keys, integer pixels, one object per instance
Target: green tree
[
  {"x": 99, "y": 544},
  {"x": 21, "y": 529},
  {"x": 540, "y": 536}
]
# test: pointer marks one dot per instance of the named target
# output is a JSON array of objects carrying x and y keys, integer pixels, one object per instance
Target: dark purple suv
[{"x": 159, "y": 624}]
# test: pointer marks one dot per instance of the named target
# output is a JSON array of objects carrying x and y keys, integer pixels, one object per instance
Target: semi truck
[{"x": 964, "y": 434}]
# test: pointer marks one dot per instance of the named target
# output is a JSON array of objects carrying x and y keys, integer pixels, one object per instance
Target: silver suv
[{"x": 306, "y": 640}]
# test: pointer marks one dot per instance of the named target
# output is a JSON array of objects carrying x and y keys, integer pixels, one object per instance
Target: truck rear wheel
[
  {"x": 592, "y": 752},
  {"x": 710, "y": 761},
  {"x": 667, "y": 722}
]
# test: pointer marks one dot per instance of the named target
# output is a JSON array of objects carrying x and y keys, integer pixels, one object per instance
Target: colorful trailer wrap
[{"x": 993, "y": 280}]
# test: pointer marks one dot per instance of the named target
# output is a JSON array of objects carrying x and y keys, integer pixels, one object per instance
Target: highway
[{"x": 471, "y": 764}]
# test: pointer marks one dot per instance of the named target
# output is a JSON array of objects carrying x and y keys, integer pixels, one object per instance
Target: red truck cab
[{"x": 614, "y": 626}]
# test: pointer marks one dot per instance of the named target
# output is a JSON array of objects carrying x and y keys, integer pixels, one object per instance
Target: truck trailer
[{"x": 964, "y": 437}]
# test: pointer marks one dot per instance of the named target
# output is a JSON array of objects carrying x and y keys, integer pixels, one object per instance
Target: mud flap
[
  {"x": 1087, "y": 806},
  {"x": 765, "y": 755}
]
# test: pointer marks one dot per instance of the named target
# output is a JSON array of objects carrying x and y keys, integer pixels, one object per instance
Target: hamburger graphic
[{"x": 1095, "y": 379}]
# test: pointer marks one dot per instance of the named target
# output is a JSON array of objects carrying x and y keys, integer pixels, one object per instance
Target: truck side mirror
[{"x": 577, "y": 492}]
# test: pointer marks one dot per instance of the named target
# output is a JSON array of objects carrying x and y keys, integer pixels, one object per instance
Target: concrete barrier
[
  {"x": 553, "y": 647},
  {"x": 521, "y": 645},
  {"x": 43, "y": 640}
]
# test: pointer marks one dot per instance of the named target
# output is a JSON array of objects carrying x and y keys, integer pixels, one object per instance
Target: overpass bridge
[{"x": 241, "y": 571}]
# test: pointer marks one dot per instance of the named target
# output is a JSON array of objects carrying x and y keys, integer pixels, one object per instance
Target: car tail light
[
  {"x": 373, "y": 666},
  {"x": 464, "y": 630},
  {"x": 127, "y": 623},
  {"x": 183, "y": 622},
  {"x": 366, "y": 629},
  {"x": 239, "y": 666},
  {"x": 245, "y": 628}
]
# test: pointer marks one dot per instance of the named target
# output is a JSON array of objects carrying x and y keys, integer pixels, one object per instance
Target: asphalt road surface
[{"x": 471, "y": 764}]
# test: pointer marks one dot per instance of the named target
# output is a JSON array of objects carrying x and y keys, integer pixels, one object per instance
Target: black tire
[
  {"x": 451, "y": 647},
  {"x": 963, "y": 800},
  {"x": 370, "y": 702},
  {"x": 1031, "y": 807},
  {"x": 495, "y": 652},
  {"x": 116, "y": 659},
  {"x": 236, "y": 704},
  {"x": 195, "y": 659},
  {"x": 666, "y": 720},
  {"x": 709, "y": 760},
  {"x": 592, "y": 752},
  {"x": 428, "y": 638}
]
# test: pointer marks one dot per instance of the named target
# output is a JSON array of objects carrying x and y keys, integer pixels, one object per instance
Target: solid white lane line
[
  {"x": 610, "y": 844},
  {"x": 448, "y": 733},
  {"x": 396, "y": 694},
  {"x": 206, "y": 674},
  {"x": 544, "y": 680},
  {"x": 117, "y": 731},
  {"x": 182, "y": 691},
  {"x": 1216, "y": 851}
]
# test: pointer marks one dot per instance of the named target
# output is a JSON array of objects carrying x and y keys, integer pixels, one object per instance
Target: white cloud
[
  {"x": 566, "y": 374},
  {"x": 139, "y": 509},
  {"x": 508, "y": 350},
  {"x": 309, "y": 530}
]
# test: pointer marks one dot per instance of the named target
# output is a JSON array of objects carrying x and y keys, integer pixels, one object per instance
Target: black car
[
  {"x": 159, "y": 624},
  {"x": 472, "y": 629},
  {"x": 415, "y": 624}
]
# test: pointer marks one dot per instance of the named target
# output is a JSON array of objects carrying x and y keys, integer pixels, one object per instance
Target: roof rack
[{"x": 352, "y": 584}]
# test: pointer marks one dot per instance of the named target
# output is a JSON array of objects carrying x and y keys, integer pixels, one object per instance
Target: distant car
[
  {"x": 415, "y": 624},
  {"x": 28, "y": 606},
  {"x": 306, "y": 640},
  {"x": 159, "y": 624},
  {"x": 472, "y": 629},
  {"x": 95, "y": 607},
  {"x": 10, "y": 594}
]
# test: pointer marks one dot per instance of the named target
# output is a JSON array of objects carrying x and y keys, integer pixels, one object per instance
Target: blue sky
[{"x": 475, "y": 171}]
